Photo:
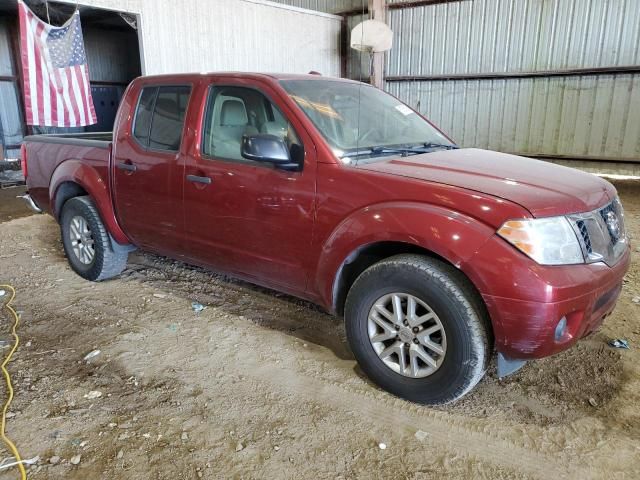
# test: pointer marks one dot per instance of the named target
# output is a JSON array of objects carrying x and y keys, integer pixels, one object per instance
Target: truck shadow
[{"x": 262, "y": 306}]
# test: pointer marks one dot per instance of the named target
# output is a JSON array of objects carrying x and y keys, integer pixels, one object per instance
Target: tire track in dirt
[
  {"x": 461, "y": 436},
  {"x": 519, "y": 449}
]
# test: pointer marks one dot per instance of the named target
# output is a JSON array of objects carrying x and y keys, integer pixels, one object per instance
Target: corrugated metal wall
[
  {"x": 582, "y": 116},
  {"x": 590, "y": 116},
  {"x": 358, "y": 63},
  {"x": 482, "y": 36},
  {"x": 11, "y": 125},
  {"x": 109, "y": 55},
  {"x": 218, "y": 35}
]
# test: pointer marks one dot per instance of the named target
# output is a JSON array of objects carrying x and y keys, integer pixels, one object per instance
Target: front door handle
[
  {"x": 198, "y": 179},
  {"x": 128, "y": 166}
]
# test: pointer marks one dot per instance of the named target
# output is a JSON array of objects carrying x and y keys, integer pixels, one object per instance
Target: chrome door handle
[
  {"x": 129, "y": 167},
  {"x": 198, "y": 179}
]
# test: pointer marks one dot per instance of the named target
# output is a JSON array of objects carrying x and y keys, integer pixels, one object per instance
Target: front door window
[{"x": 233, "y": 112}]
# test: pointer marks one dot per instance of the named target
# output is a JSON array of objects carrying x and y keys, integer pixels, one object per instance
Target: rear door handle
[
  {"x": 198, "y": 179},
  {"x": 128, "y": 166}
]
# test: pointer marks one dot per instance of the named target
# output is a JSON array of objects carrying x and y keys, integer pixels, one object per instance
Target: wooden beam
[
  {"x": 344, "y": 47},
  {"x": 354, "y": 11}
]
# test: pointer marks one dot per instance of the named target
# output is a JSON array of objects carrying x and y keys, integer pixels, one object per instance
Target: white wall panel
[{"x": 237, "y": 35}]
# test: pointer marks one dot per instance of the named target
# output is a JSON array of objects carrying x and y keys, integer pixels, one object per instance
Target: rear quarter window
[
  {"x": 143, "y": 115},
  {"x": 159, "y": 118}
]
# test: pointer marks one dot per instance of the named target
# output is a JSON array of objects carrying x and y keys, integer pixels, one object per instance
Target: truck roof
[{"x": 253, "y": 75}]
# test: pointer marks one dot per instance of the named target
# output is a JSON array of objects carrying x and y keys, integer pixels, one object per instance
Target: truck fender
[
  {"x": 446, "y": 233},
  {"x": 90, "y": 181}
]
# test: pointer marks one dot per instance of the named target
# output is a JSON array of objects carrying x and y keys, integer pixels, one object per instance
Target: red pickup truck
[{"x": 336, "y": 192}]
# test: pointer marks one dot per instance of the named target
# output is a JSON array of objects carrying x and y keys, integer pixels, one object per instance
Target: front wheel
[
  {"x": 86, "y": 241},
  {"x": 418, "y": 329}
]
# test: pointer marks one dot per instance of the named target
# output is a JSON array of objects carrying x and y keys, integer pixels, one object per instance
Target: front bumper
[{"x": 526, "y": 300}]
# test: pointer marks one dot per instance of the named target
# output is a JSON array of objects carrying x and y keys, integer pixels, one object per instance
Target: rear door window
[
  {"x": 159, "y": 120},
  {"x": 143, "y": 115}
]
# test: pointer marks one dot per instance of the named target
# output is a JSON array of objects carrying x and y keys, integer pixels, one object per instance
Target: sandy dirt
[{"x": 261, "y": 385}]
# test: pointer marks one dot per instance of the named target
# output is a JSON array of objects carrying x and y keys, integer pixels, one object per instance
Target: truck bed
[{"x": 53, "y": 159}]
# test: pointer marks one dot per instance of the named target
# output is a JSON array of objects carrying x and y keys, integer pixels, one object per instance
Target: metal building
[{"x": 555, "y": 79}]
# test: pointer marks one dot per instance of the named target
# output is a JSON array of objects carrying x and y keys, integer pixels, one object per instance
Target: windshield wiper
[
  {"x": 402, "y": 151},
  {"x": 379, "y": 151},
  {"x": 431, "y": 145}
]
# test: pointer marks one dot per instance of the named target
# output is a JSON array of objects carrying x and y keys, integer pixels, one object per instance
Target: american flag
[{"x": 56, "y": 75}]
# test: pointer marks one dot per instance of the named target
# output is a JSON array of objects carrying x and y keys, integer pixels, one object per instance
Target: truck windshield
[{"x": 363, "y": 123}]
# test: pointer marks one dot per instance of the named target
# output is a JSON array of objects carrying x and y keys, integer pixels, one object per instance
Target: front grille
[
  {"x": 584, "y": 233},
  {"x": 601, "y": 233}
]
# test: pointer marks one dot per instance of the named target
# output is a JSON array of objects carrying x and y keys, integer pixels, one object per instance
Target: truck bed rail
[{"x": 91, "y": 139}]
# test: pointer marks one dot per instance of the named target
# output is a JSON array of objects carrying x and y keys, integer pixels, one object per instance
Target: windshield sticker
[{"x": 403, "y": 109}]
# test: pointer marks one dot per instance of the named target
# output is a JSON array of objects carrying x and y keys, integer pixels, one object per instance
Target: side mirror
[{"x": 267, "y": 148}]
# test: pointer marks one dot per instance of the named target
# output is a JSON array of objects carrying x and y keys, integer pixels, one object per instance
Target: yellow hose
[{"x": 7, "y": 377}]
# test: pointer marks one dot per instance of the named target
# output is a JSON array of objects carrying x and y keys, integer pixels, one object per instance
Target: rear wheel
[
  {"x": 86, "y": 241},
  {"x": 418, "y": 329}
]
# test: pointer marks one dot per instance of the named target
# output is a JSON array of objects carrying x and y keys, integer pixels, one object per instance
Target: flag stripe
[
  {"x": 56, "y": 75},
  {"x": 83, "y": 93},
  {"x": 66, "y": 97},
  {"x": 24, "y": 58},
  {"x": 33, "y": 79},
  {"x": 47, "y": 91},
  {"x": 38, "y": 27},
  {"x": 75, "y": 94},
  {"x": 54, "y": 81},
  {"x": 87, "y": 88},
  {"x": 63, "y": 114}
]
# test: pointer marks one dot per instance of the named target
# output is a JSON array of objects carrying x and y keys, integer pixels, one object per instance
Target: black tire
[
  {"x": 452, "y": 298},
  {"x": 106, "y": 262}
]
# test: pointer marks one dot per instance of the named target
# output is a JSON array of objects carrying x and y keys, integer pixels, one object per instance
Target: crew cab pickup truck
[{"x": 336, "y": 192}]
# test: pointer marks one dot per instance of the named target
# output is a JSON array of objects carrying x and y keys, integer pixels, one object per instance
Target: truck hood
[{"x": 543, "y": 188}]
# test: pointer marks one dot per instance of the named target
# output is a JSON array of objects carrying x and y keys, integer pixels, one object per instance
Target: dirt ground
[
  {"x": 10, "y": 206},
  {"x": 261, "y": 385}
]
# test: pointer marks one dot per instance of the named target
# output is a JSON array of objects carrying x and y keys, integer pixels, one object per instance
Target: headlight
[{"x": 549, "y": 241}]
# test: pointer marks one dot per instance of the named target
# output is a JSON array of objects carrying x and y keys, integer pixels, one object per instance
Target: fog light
[{"x": 561, "y": 329}]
